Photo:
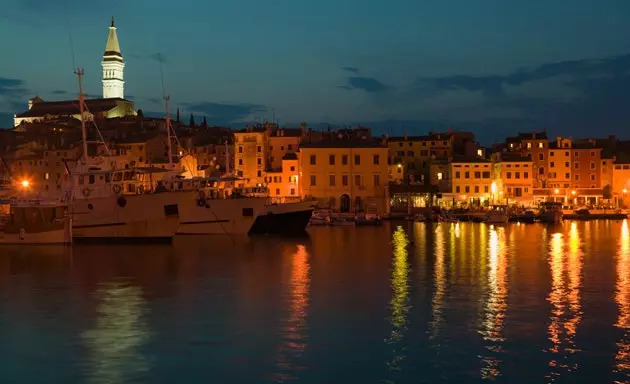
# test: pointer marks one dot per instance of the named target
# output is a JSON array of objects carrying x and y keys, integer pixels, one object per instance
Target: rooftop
[
  {"x": 341, "y": 143},
  {"x": 70, "y": 107}
]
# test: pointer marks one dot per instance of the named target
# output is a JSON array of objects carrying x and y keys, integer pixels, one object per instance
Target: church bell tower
[{"x": 113, "y": 67}]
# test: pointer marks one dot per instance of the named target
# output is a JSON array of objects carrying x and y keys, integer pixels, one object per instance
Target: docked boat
[
  {"x": 550, "y": 212},
  {"x": 369, "y": 218},
  {"x": 498, "y": 215},
  {"x": 34, "y": 222}
]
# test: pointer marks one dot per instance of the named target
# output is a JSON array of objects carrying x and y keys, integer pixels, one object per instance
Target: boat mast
[
  {"x": 167, "y": 98},
  {"x": 79, "y": 72}
]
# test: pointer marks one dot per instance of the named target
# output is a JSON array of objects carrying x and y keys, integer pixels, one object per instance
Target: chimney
[{"x": 303, "y": 129}]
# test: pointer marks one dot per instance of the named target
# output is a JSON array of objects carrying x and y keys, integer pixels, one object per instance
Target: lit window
[
  {"x": 47, "y": 176},
  {"x": 541, "y": 145},
  {"x": 479, "y": 152},
  {"x": 439, "y": 176}
]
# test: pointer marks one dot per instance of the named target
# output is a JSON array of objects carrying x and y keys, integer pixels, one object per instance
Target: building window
[
  {"x": 46, "y": 175},
  {"x": 592, "y": 153},
  {"x": 592, "y": 165},
  {"x": 331, "y": 159},
  {"x": 357, "y": 180},
  {"x": 567, "y": 176},
  {"x": 259, "y": 161},
  {"x": 240, "y": 149},
  {"x": 525, "y": 175},
  {"x": 292, "y": 168},
  {"x": 377, "y": 160},
  {"x": 259, "y": 174},
  {"x": 377, "y": 180},
  {"x": 344, "y": 180},
  {"x": 466, "y": 175},
  {"x": 290, "y": 147},
  {"x": 577, "y": 165},
  {"x": 240, "y": 161},
  {"x": 313, "y": 180},
  {"x": 313, "y": 160},
  {"x": 282, "y": 147},
  {"x": 357, "y": 159},
  {"x": 552, "y": 153},
  {"x": 477, "y": 175},
  {"x": 552, "y": 164},
  {"x": 577, "y": 177},
  {"x": 259, "y": 149},
  {"x": 344, "y": 159},
  {"x": 592, "y": 177},
  {"x": 240, "y": 173},
  {"x": 509, "y": 175},
  {"x": 457, "y": 174},
  {"x": 541, "y": 156},
  {"x": 439, "y": 176},
  {"x": 410, "y": 153},
  {"x": 517, "y": 175},
  {"x": 577, "y": 154},
  {"x": 480, "y": 152},
  {"x": 529, "y": 145},
  {"x": 467, "y": 188},
  {"x": 278, "y": 191},
  {"x": 486, "y": 175},
  {"x": 476, "y": 189},
  {"x": 331, "y": 180},
  {"x": 292, "y": 191},
  {"x": 485, "y": 189},
  {"x": 541, "y": 145}
]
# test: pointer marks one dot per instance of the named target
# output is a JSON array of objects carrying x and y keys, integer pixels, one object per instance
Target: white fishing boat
[{"x": 34, "y": 222}]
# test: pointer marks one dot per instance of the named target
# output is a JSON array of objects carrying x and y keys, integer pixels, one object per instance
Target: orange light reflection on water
[
  {"x": 622, "y": 297},
  {"x": 399, "y": 304},
  {"x": 440, "y": 284},
  {"x": 565, "y": 264}
]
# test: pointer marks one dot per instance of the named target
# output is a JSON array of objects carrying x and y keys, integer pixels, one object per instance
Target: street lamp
[{"x": 25, "y": 184}]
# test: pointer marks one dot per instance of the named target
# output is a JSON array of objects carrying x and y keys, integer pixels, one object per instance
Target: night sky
[{"x": 491, "y": 66}]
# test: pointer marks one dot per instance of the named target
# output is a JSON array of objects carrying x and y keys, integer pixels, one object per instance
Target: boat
[
  {"x": 528, "y": 216},
  {"x": 550, "y": 212},
  {"x": 34, "y": 222},
  {"x": 369, "y": 218},
  {"x": 498, "y": 215}
]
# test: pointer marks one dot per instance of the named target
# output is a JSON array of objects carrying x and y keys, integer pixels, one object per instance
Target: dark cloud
[
  {"x": 10, "y": 88},
  {"x": 350, "y": 69},
  {"x": 367, "y": 84},
  {"x": 219, "y": 113}
]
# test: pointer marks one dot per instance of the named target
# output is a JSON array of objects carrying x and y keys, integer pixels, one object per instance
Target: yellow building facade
[
  {"x": 513, "y": 179},
  {"x": 284, "y": 184},
  {"x": 345, "y": 175},
  {"x": 471, "y": 179},
  {"x": 250, "y": 152}
]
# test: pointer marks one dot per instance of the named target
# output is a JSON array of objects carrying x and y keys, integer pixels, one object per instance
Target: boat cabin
[
  {"x": 99, "y": 183},
  {"x": 31, "y": 217}
]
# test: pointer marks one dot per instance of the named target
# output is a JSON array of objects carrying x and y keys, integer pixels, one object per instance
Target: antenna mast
[
  {"x": 79, "y": 72},
  {"x": 167, "y": 98}
]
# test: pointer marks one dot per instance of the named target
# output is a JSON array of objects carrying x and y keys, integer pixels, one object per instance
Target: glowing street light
[
  {"x": 573, "y": 193},
  {"x": 25, "y": 184},
  {"x": 556, "y": 191}
]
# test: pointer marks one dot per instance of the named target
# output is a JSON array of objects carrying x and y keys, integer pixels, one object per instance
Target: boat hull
[
  {"x": 283, "y": 223},
  {"x": 151, "y": 218},
  {"x": 56, "y": 236},
  {"x": 552, "y": 217}
]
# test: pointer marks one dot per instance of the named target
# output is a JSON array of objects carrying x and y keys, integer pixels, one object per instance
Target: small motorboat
[
  {"x": 34, "y": 222},
  {"x": 498, "y": 215}
]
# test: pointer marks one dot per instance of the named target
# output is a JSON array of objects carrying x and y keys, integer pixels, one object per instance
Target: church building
[{"x": 112, "y": 105}]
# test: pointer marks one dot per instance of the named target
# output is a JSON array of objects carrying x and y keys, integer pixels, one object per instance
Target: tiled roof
[{"x": 469, "y": 159}]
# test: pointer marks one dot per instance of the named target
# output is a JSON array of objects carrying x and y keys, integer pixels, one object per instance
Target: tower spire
[{"x": 113, "y": 66}]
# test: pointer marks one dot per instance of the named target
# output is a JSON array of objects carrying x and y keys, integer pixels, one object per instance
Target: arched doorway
[{"x": 344, "y": 203}]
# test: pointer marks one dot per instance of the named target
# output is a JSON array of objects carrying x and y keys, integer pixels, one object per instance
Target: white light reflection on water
[
  {"x": 439, "y": 279},
  {"x": 399, "y": 304},
  {"x": 294, "y": 330},
  {"x": 120, "y": 332},
  {"x": 565, "y": 300},
  {"x": 622, "y": 297},
  {"x": 496, "y": 305}
]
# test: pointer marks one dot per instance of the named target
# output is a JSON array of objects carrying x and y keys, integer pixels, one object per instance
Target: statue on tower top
[{"x": 113, "y": 21}]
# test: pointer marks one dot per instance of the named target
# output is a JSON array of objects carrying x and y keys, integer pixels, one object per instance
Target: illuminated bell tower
[{"x": 113, "y": 67}]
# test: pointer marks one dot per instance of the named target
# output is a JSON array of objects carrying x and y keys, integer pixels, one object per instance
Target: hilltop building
[{"x": 112, "y": 105}]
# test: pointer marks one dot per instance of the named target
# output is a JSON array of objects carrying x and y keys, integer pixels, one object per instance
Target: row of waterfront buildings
[{"x": 347, "y": 170}]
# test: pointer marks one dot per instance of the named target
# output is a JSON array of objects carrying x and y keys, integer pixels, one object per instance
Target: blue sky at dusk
[{"x": 491, "y": 66}]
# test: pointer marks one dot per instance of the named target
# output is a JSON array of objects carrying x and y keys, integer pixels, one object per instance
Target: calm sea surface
[{"x": 408, "y": 303}]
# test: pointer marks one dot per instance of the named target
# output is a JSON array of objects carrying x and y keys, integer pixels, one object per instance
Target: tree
[
  {"x": 204, "y": 122},
  {"x": 177, "y": 119},
  {"x": 192, "y": 121},
  {"x": 607, "y": 192},
  {"x": 140, "y": 113}
]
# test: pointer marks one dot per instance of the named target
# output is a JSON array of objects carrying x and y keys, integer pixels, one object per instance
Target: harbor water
[{"x": 401, "y": 303}]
